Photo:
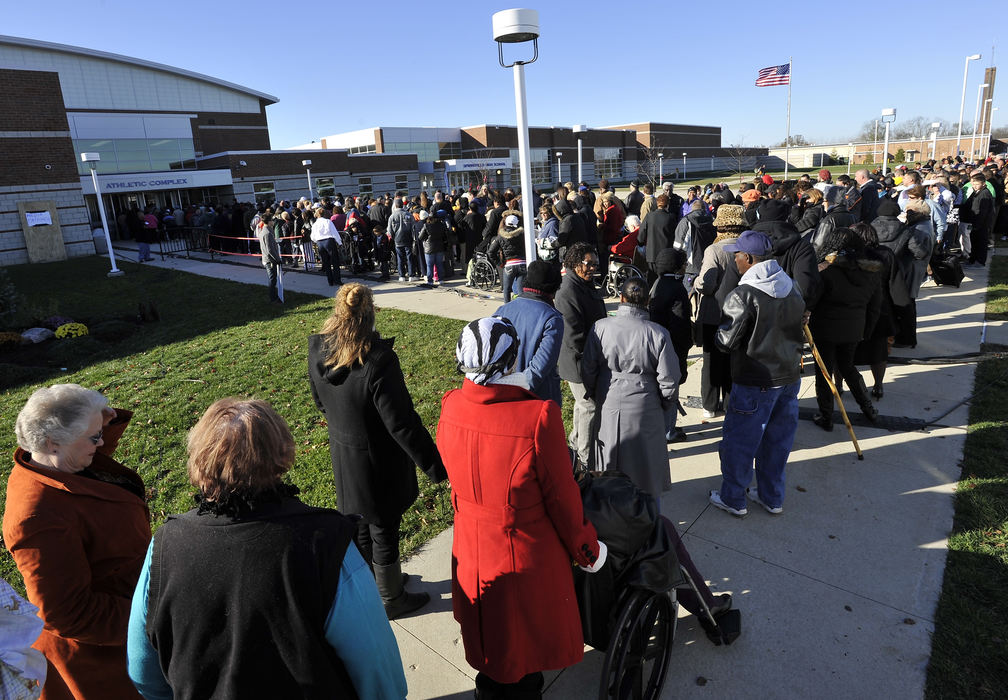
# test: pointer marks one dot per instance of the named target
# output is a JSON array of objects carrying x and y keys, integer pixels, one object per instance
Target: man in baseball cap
[{"x": 761, "y": 328}]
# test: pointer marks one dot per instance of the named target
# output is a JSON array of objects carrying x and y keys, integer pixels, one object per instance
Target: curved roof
[{"x": 92, "y": 53}]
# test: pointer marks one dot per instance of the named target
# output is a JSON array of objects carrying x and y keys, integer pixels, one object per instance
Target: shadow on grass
[{"x": 188, "y": 305}]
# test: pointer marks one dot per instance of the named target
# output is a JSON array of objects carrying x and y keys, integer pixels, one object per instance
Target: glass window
[
  {"x": 402, "y": 183},
  {"x": 265, "y": 192},
  {"x": 324, "y": 187},
  {"x": 608, "y": 163},
  {"x": 364, "y": 186}
]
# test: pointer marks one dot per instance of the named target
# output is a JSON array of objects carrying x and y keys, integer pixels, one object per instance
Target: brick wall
[{"x": 33, "y": 101}]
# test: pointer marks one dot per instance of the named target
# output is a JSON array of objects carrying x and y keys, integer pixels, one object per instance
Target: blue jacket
[{"x": 540, "y": 333}]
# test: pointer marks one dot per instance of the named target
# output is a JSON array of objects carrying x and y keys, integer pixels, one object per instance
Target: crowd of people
[{"x": 254, "y": 592}]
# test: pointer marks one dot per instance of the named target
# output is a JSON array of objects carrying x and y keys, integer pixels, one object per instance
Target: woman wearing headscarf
[
  {"x": 631, "y": 370},
  {"x": 519, "y": 523},
  {"x": 375, "y": 436},
  {"x": 253, "y": 594},
  {"x": 844, "y": 313},
  {"x": 77, "y": 525}
]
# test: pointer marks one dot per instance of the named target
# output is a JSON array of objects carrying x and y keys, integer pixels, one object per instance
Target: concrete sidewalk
[{"x": 837, "y": 594}]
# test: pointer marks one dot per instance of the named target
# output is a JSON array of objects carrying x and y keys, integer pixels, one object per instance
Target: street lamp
[
  {"x": 934, "y": 139},
  {"x": 990, "y": 128},
  {"x": 307, "y": 165},
  {"x": 850, "y": 156},
  {"x": 683, "y": 166},
  {"x": 559, "y": 173},
  {"x": 984, "y": 116},
  {"x": 519, "y": 26},
  {"x": 91, "y": 159},
  {"x": 962, "y": 102},
  {"x": 888, "y": 117},
  {"x": 976, "y": 116},
  {"x": 660, "y": 156},
  {"x": 580, "y": 129}
]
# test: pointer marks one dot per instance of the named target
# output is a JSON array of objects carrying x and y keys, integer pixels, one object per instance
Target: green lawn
[
  {"x": 215, "y": 338},
  {"x": 968, "y": 656}
]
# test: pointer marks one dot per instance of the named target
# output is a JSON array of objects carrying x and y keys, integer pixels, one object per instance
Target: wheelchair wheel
[
  {"x": 641, "y": 645},
  {"x": 484, "y": 274},
  {"x": 614, "y": 282}
]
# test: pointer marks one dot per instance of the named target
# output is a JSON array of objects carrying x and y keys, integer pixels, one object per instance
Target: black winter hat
[
  {"x": 670, "y": 260},
  {"x": 888, "y": 207},
  {"x": 542, "y": 278},
  {"x": 772, "y": 210}
]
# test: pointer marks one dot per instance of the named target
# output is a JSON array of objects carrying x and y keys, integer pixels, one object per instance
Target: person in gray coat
[
  {"x": 270, "y": 254},
  {"x": 631, "y": 370}
]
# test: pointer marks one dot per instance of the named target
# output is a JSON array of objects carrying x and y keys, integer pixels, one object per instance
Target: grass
[
  {"x": 214, "y": 339},
  {"x": 968, "y": 655}
]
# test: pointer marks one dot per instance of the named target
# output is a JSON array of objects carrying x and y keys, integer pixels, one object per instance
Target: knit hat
[
  {"x": 824, "y": 174},
  {"x": 424, "y": 215},
  {"x": 487, "y": 349},
  {"x": 729, "y": 215},
  {"x": 772, "y": 210},
  {"x": 750, "y": 196},
  {"x": 541, "y": 278},
  {"x": 888, "y": 207},
  {"x": 670, "y": 260}
]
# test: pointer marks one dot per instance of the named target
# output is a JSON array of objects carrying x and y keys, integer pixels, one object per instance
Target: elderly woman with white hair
[
  {"x": 519, "y": 522},
  {"x": 77, "y": 525}
]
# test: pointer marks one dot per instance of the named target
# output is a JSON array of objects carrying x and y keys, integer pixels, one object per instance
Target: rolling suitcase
[{"x": 946, "y": 270}]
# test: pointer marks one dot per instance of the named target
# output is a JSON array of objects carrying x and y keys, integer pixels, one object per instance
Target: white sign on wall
[
  {"x": 478, "y": 164},
  {"x": 38, "y": 218},
  {"x": 170, "y": 180}
]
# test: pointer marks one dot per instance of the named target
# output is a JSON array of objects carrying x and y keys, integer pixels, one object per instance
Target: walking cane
[{"x": 832, "y": 386}]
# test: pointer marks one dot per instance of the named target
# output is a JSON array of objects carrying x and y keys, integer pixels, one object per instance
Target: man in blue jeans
[{"x": 761, "y": 327}]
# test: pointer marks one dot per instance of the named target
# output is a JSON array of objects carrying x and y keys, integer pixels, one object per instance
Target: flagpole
[{"x": 787, "y": 139}]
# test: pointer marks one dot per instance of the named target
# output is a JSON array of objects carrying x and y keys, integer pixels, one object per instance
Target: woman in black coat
[
  {"x": 375, "y": 436},
  {"x": 843, "y": 314}
]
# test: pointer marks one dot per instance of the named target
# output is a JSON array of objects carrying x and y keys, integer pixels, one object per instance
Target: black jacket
[
  {"x": 581, "y": 305},
  {"x": 837, "y": 217},
  {"x": 795, "y": 255},
  {"x": 375, "y": 435},
  {"x": 670, "y": 308},
  {"x": 764, "y": 336},
  {"x": 634, "y": 201},
  {"x": 571, "y": 228},
  {"x": 433, "y": 236},
  {"x": 805, "y": 216},
  {"x": 506, "y": 246},
  {"x": 869, "y": 201},
  {"x": 657, "y": 233},
  {"x": 851, "y": 300}
]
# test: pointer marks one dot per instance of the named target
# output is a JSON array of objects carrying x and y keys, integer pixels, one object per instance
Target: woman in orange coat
[
  {"x": 518, "y": 519},
  {"x": 77, "y": 525}
]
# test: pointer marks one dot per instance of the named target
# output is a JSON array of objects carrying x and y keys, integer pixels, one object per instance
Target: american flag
[{"x": 774, "y": 75}]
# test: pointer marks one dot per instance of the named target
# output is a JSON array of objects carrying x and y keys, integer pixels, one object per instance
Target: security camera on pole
[
  {"x": 91, "y": 159},
  {"x": 519, "y": 26}
]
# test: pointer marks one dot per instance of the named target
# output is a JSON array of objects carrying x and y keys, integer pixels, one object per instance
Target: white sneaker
[
  {"x": 754, "y": 496},
  {"x": 709, "y": 414},
  {"x": 715, "y": 499},
  {"x": 402, "y": 279},
  {"x": 414, "y": 279}
]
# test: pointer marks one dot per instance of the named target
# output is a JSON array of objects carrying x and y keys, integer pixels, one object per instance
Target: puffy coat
[
  {"x": 508, "y": 245},
  {"x": 375, "y": 435},
  {"x": 837, "y": 217},
  {"x": 519, "y": 524},
  {"x": 433, "y": 235}
]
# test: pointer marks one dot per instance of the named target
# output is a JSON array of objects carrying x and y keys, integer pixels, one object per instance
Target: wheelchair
[
  {"x": 620, "y": 270},
  {"x": 483, "y": 274}
]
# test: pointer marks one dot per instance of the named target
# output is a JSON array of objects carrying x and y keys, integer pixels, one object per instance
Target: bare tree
[
  {"x": 740, "y": 158},
  {"x": 647, "y": 165}
]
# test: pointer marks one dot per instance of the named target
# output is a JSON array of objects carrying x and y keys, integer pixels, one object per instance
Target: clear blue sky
[{"x": 339, "y": 66}]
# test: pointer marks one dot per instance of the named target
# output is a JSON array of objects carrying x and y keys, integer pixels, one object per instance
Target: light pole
[
  {"x": 683, "y": 166},
  {"x": 976, "y": 116},
  {"x": 984, "y": 118},
  {"x": 990, "y": 128},
  {"x": 559, "y": 174},
  {"x": 934, "y": 139},
  {"x": 888, "y": 117},
  {"x": 850, "y": 156},
  {"x": 874, "y": 152},
  {"x": 660, "y": 156},
  {"x": 962, "y": 102},
  {"x": 580, "y": 129},
  {"x": 518, "y": 26},
  {"x": 91, "y": 159},
  {"x": 307, "y": 165}
]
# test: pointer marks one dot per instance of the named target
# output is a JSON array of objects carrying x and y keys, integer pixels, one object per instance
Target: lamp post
[
  {"x": 91, "y": 159},
  {"x": 559, "y": 173},
  {"x": 962, "y": 102},
  {"x": 850, "y": 156},
  {"x": 580, "y": 129},
  {"x": 660, "y": 156},
  {"x": 874, "y": 152},
  {"x": 888, "y": 117},
  {"x": 934, "y": 139},
  {"x": 990, "y": 128},
  {"x": 683, "y": 166},
  {"x": 518, "y": 26},
  {"x": 984, "y": 121},
  {"x": 307, "y": 165},
  {"x": 976, "y": 116}
]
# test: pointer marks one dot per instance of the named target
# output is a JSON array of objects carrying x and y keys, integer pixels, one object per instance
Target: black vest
[{"x": 237, "y": 607}]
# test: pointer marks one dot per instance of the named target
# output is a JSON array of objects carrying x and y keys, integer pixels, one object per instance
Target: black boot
[{"x": 398, "y": 602}]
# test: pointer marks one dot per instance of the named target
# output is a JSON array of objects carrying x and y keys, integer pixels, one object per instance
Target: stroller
[{"x": 630, "y": 607}]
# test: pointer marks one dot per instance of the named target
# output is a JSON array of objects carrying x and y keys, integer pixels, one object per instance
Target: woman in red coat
[{"x": 518, "y": 519}]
